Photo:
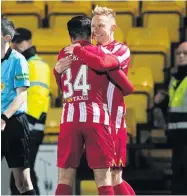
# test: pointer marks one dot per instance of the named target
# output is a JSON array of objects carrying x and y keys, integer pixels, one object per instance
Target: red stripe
[{"x": 121, "y": 51}]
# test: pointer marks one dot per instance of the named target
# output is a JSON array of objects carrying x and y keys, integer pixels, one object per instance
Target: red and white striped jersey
[
  {"x": 84, "y": 94},
  {"x": 115, "y": 99}
]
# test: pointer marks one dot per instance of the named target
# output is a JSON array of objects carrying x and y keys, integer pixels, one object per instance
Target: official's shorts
[
  {"x": 15, "y": 141},
  {"x": 98, "y": 145},
  {"x": 120, "y": 143},
  {"x": 37, "y": 124}
]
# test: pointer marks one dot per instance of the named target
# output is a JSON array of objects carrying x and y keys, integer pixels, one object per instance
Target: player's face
[
  {"x": 181, "y": 54},
  {"x": 21, "y": 47},
  {"x": 102, "y": 29}
]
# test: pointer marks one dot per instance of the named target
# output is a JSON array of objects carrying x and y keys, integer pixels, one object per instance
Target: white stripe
[
  {"x": 178, "y": 109},
  {"x": 83, "y": 113},
  {"x": 179, "y": 125},
  {"x": 70, "y": 112},
  {"x": 110, "y": 94},
  {"x": 124, "y": 57},
  {"x": 125, "y": 125},
  {"x": 106, "y": 51},
  {"x": 119, "y": 116},
  {"x": 105, "y": 107},
  {"x": 39, "y": 127},
  {"x": 124, "y": 67},
  {"x": 63, "y": 110},
  {"x": 31, "y": 126},
  {"x": 96, "y": 112},
  {"x": 116, "y": 48}
]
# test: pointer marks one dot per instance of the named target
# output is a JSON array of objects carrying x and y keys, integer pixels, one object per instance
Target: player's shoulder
[
  {"x": 121, "y": 45},
  {"x": 91, "y": 46},
  {"x": 121, "y": 49},
  {"x": 62, "y": 54}
]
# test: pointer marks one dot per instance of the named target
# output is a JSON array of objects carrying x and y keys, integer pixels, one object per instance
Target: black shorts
[
  {"x": 37, "y": 124},
  {"x": 15, "y": 142}
]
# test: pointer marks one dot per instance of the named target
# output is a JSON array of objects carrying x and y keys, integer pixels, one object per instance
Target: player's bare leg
[
  {"x": 23, "y": 181},
  {"x": 120, "y": 186},
  {"x": 66, "y": 177},
  {"x": 103, "y": 181},
  {"x": 116, "y": 176}
]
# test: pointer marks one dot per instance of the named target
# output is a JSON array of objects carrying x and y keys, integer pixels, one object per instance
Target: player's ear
[
  {"x": 113, "y": 27},
  {"x": 30, "y": 41}
]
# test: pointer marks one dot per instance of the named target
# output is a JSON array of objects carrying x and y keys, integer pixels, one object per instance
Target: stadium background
[{"x": 151, "y": 29}]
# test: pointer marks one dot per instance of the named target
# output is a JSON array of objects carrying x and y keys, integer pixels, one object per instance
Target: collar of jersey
[
  {"x": 7, "y": 54},
  {"x": 110, "y": 44}
]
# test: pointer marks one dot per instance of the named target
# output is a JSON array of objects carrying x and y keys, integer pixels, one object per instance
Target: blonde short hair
[{"x": 104, "y": 11}]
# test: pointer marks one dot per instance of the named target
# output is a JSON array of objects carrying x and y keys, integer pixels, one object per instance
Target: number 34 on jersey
[{"x": 79, "y": 85}]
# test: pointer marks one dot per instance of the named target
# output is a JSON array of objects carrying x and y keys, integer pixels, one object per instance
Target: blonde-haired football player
[{"x": 103, "y": 26}]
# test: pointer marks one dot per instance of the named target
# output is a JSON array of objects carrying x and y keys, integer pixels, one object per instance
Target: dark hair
[
  {"x": 79, "y": 27},
  {"x": 7, "y": 27},
  {"x": 21, "y": 34}
]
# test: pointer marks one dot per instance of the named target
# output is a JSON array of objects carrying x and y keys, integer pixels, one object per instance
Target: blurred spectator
[
  {"x": 174, "y": 108},
  {"x": 38, "y": 95}
]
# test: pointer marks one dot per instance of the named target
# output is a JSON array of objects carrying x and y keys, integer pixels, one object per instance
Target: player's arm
[
  {"x": 56, "y": 72},
  {"x": 62, "y": 64},
  {"x": 94, "y": 57},
  {"x": 107, "y": 61},
  {"x": 120, "y": 78},
  {"x": 118, "y": 75}
]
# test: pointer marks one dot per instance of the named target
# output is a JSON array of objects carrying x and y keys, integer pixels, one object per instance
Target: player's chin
[{"x": 98, "y": 40}]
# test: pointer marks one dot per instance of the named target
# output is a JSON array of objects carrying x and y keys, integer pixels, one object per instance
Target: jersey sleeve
[
  {"x": 120, "y": 78},
  {"x": 123, "y": 56},
  {"x": 95, "y": 58},
  {"x": 21, "y": 75}
]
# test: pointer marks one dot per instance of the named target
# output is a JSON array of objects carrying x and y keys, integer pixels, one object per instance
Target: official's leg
[
  {"x": 13, "y": 188},
  {"x": 22, "y": 179},
  {"x": 36, "y": 127},
  {"x": 36, "y": 140},
  {"x": 17, "y": 153}
]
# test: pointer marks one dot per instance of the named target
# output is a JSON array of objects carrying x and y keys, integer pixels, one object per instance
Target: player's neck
[
  {"x": 80, "y": 39},
  {"x": 4, "y": 50},
  {"x": 110, "y": 40}
]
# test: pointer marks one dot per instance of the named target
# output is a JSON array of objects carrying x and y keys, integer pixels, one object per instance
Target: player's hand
[
  {"x": 3, "y": 124},
  {"x": 159, "y": 97},
  {"x": 69, "y": 49},
  {"x": 63, "y": 64}
]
